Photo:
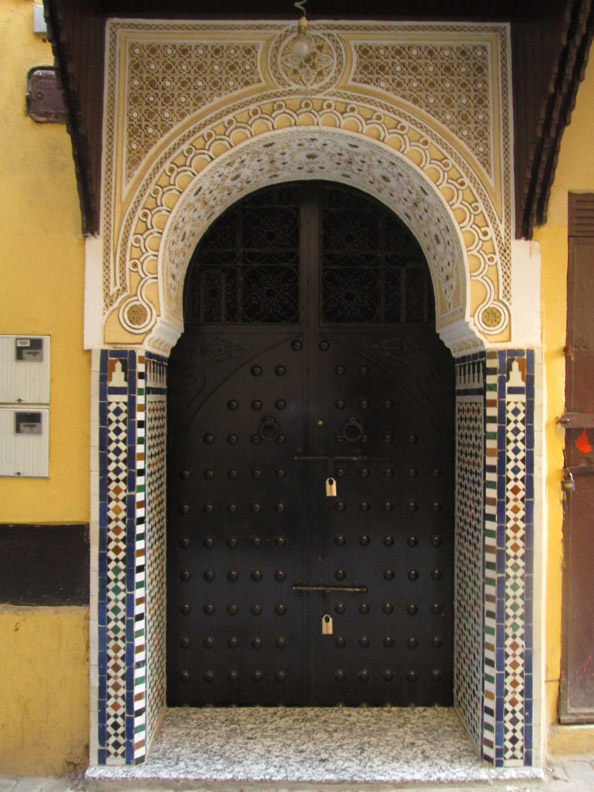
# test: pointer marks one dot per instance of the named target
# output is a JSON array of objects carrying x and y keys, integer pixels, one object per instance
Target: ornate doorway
[
  {"x": 159, "y": 200},
  {"x": 311, "y": 461}
]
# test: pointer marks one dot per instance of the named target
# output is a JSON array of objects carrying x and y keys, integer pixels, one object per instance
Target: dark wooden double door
[{"x": 310, "y": 463}]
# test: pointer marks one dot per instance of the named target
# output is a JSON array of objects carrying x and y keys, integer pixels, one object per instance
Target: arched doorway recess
[{"x": 311, "y": 461}]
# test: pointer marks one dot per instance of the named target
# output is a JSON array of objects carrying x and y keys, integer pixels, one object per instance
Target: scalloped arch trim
[{"x": 310, "y": 139}]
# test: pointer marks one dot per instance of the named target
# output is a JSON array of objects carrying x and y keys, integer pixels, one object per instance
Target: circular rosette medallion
[
  {"x": 320, "y": 69},
  {"x": 492, "y": 318}
]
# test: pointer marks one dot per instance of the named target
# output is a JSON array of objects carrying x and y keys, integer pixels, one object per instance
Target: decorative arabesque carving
[
  {"x": 184, "y": 119},
  {"x": 167, "y": 81},
  {"x": 449, "y": 81},
  {"x": 321, "y": 69},
  {"x": 301, "y": 153}
]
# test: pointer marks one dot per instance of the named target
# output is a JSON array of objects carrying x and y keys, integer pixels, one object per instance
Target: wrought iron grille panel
[
  {"x": 246, "y": 269},
  {"x": 373, "y": 270}
]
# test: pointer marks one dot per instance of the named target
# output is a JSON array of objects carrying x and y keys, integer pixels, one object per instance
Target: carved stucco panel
[
  {"x": 148, "y": 249},
  {"x": 382, "y": 155},
  {"x": 167, "y": 80},
  {"x": 448, "y": 80},
  {"x": 168, "y": 76}
]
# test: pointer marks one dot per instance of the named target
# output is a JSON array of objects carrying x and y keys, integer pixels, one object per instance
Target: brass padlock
[
  {"x": 567, "y": 482},
  {"x": 326, "y": 624},
  {"x": 330, "y": 487}
]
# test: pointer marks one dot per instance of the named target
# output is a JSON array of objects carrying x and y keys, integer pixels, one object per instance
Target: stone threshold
[{"x": 277, "y": 748}]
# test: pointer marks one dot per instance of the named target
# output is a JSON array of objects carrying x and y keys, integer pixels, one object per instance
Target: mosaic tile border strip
[
  {"x": 156, "y": 593},
  {"x": 123, "y": 608},
  {"x": 517, "y": 478},
  {"x": 469, "y": 593},
  {"x": 492, "y": 587},
  {"x": 137, "y": 736}
]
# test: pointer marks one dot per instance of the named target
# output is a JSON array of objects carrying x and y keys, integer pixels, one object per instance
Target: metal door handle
[{"x": 567, "y": 482}]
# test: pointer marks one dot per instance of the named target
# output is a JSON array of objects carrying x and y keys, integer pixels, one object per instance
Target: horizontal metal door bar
[
  {"x": 580, "y": 470},
  {"x": 573, "y": 420},
  {"x": 340, "y": 458},
  {"x": 333, "y": 458},
  {"x": 300, "y": 587}
]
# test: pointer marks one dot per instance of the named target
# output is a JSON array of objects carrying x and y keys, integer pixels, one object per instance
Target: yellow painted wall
[
  {"x": 44, "y": 689},
  {"x": 575, "y": 172},
  {"x": 44, "y": 698},
  {"x": 553, "y": 241},
  {"x": 41, "y": 271}
]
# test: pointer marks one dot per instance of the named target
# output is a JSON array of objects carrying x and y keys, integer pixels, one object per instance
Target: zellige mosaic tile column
[
  {"x": 493, "y": 689},
  {"x": 132, "y": 430},
  {"x": 156, "y": 593},
  {"x": 518, "y": 550},
  {"x": 117, "y": 507},
  {"x": 509, "y": 557}
]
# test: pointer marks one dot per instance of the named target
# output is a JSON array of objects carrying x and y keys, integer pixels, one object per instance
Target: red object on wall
[{"x": 582, "y": 443}]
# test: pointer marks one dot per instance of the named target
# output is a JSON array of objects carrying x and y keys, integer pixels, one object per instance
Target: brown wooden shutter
[{"x": 577, "y": 674}]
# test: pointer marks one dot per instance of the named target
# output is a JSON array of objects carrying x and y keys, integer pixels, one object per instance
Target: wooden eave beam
[
  {"x": 76, "y": 32},
  {"x": 535, "y": 188},
  {"x": 549, "y": 79}
]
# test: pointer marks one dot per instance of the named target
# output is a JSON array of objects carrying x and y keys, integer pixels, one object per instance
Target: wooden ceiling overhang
[{"x": 550, "y": 45}]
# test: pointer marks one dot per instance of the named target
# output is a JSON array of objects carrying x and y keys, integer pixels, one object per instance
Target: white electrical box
[
  {"x": 24, "y": 441},
  {"x": 39, "y": 24},
  {"x": 24, "y": 369}
]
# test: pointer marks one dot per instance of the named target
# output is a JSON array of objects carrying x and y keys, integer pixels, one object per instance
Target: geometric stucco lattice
[
  {"x": 167, "y": 80},
  {"x": 450, "y": 81}
]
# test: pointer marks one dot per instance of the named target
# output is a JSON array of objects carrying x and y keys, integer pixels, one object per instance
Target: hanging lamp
[{"x": 301, "y": 43}]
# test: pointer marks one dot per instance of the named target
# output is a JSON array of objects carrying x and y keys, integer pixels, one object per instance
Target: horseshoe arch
[{"x": 318, "y": 139}]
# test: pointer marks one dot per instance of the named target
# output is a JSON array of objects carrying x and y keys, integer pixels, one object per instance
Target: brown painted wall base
[{"x": 44, "y": 564}]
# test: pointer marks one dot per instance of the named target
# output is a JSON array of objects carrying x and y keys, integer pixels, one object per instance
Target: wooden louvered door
[{"x": 576, "y": 703}]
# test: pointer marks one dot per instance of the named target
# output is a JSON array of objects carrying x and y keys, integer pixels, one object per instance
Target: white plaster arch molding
[
  {"x": 319, "y": 140},
  {"x": 305, "y": 154}
]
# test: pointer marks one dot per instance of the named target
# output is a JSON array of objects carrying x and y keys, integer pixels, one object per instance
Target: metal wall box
[
  {"x": 24, "y": 369},
  {"x": 44, "y": 101},
  {"x": 24, "y": 441}
]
